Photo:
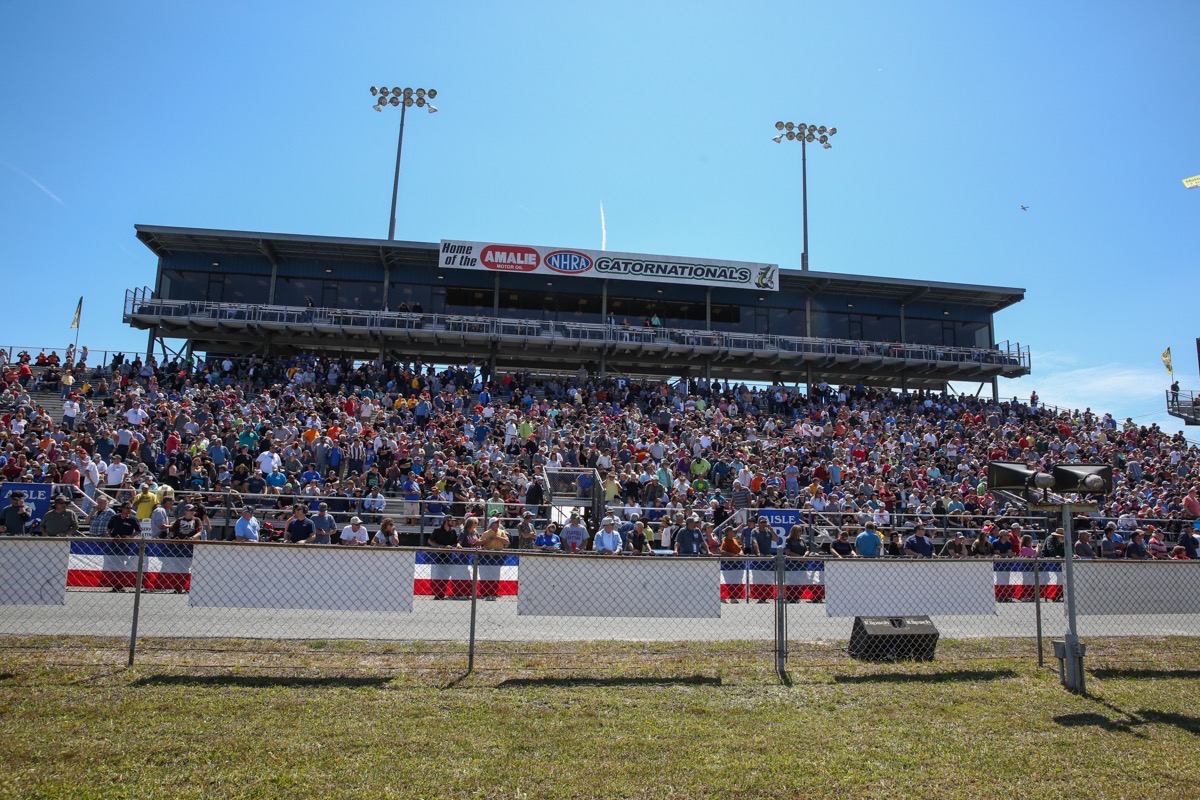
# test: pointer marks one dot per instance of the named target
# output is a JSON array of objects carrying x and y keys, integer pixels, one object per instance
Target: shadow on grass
[
  {"x": 4, "y": 676},
  {"x": 929, "y": 677},
  {"x": 1117, "y": 674},
  {"x": 686, "y": 680},
  {"x": 265, "y": 681},
  {"x": 1130, "y": 721}
]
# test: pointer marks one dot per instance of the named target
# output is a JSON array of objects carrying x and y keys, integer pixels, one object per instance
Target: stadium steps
[{"x": 52, "y": 402}]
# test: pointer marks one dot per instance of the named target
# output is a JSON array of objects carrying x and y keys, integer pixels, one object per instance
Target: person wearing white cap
[
  {"x": 607, "y": 541},
  {"x": 354, "y": 534}
]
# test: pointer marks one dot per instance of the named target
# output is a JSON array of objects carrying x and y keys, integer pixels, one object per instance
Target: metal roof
[{"x": 165, "y": 240}]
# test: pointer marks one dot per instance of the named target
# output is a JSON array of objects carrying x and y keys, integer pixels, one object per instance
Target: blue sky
[{"x": 256, "y": 116}]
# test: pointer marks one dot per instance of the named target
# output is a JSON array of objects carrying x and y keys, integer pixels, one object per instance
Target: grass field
[{"x": 326, "y": 720}]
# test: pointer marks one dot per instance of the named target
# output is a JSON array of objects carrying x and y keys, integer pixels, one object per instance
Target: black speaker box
[{"x": 893, "y": 639}]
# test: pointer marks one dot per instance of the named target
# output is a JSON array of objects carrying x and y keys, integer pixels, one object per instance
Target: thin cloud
[{"x": 35, "y": 182}]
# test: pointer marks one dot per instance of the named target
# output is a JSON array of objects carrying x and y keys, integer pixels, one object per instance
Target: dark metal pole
[
  {"x": 804, "y": 200},
  {"x": 137, "y": 599},
  {"x": 396, "y": 180}
]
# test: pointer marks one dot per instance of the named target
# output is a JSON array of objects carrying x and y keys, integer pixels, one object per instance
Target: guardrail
[{"x": 139, "y": 302}]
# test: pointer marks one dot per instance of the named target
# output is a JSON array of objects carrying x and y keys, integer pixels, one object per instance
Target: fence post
[
  {"x": 474, "y": 606},
  {"x": 226, "y": 501},
  {"x": 780, "y": 614},
  {"x": 137, "y": 599},
  {"x": 1037, "y": 608}
]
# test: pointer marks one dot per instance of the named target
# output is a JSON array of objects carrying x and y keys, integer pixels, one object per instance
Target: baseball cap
[
  {"x": 355, "y": 521},
  {"x": 493, "y": 521},
  {"x": 527, "y": 514}
]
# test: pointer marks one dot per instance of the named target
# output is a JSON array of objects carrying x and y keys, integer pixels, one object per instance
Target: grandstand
[{"x": 238, "y": 292}]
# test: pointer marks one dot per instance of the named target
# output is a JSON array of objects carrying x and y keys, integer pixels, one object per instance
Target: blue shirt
[
  {"x": 547, "y": 541},
  {"x": 689, "y": 541},
  {"x": 868, "y": 544},
  {"x": 921, "y": 545},
  {"x": 247, "y": 529}
]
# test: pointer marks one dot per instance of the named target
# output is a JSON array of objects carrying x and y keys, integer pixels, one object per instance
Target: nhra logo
[
  {"x": 568, "y": 261},
  {"x": 510, "y": 258}
]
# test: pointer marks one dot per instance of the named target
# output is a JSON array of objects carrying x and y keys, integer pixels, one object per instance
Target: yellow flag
[
  {"x": 1192, "y": 182},
  {"x": 1166, "y": 357}
]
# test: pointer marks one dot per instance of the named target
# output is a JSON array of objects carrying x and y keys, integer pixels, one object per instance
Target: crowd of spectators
[{"x": 462, "y": 454}]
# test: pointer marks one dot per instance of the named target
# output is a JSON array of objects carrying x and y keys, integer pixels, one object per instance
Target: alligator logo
[{"x": 766, "y": 278}]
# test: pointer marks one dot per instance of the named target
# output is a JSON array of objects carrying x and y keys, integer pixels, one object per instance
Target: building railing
[
  {"x": 140, "y": 302},
  {"x": 1185, "y": 404}
]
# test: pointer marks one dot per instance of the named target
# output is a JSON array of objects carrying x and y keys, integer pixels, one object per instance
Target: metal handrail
[{"x": 139, "y": 302}]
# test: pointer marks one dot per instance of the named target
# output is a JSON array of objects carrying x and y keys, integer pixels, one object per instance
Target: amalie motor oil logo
[
  {"x": 510, "y": 258},
  {"x": 569, "y": 261}
]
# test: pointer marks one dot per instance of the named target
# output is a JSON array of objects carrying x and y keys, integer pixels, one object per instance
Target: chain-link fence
[{"x": 113, "y": 600}]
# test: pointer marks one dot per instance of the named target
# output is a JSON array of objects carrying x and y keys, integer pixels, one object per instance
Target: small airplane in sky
[{"x": 1024, "y": 208}]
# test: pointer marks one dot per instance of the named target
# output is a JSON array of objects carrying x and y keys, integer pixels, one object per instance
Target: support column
[
  {"x": 708, "y": 308},
  {"x": 496, "y": 298},
  {"x": 995, "y": 389}
]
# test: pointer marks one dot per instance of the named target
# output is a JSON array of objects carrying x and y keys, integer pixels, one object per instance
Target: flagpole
[{"x": 78, "y": 321}]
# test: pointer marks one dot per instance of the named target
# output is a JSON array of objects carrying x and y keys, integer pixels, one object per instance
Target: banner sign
[
  {"x": 781, "y": 521},
  {"x": 550, "y": 261},
  {"x": 37, "y": 497}
]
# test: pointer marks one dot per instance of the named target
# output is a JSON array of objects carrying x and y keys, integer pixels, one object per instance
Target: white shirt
[
  {"x": 267, "y": 461},
  {"x": 70, "y": 409},
  {"x": 136, "y": 416},
  {"x": 351, "y": 535},
  {"x": 115, "y": 473}
]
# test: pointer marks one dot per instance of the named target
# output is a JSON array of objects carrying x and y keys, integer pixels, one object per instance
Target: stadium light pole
[
  {"x": 405, "y": 99},
  {"x": 818, "y": 134}
]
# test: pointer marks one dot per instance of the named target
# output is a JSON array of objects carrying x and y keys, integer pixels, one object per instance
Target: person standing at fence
[
  {"x": 323, "y": 525},
  {"x": 247, "y": 527},
  {"x": 495, "y": 537},
  {"x": 1083, "y": 547},
  {"x": 124, "y": 525},
  {"x": 1156, "y": 547},
  {"x": 918, "y": 544},
  {"x": 160, "y": 518},
  {"x": 637, "y": 541},
  {"x": 61, "y": 520},
  {"x": 547, "y": 541},
  {"x": 868, "y": 544},
  {"x": 469, "y": 537},
  {"x": 15, "y": 516},
  {"x": 187, "y": 526},
  {"x": 386, "y": 535},
  {"x": 525, "y": 531},
  {"x": 955, "y": 546},
  {"x": 574, "y": 535},
  {"x": 607, "y": 541},
  {"x": 445, "y": 535},
  {"x": 98, "y": 524},
  {"x": 354, "y": 534},
  {"x": 794, "y": 543},
  {"x": 761, "y": 539},
  {"x": 690, "y": 540},
  {"x": 1053, "y": 546},
  {"x": 299, "y": 527}
]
